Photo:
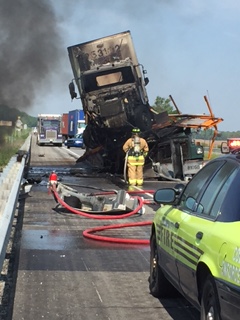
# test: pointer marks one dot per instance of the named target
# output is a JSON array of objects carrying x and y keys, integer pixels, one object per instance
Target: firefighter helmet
[{"x": 135, "y": 131}]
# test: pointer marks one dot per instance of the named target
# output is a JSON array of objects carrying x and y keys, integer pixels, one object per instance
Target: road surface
[{"x": 56, "y": 273}]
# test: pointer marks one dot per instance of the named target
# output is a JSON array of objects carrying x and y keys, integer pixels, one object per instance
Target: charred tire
[
  {"x": 159, "y": 286},
  {"x": 89, "y": 137},
  {"x": 143, "y": 118},
  {"x": 210, "y": 307}
]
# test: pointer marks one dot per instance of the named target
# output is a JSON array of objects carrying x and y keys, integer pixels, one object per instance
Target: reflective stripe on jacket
[{"x": 136, "y": 161}]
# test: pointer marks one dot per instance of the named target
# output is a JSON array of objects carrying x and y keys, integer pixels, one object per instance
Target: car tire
[
  {"x": 210, "y": 307},
  {"x": 159, "y": 285},
  {"x": 68, "y": 147}
]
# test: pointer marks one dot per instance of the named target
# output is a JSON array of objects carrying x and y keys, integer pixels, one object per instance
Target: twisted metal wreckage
[
  {"x": 103, "y": 205},
  {"x": 170, "y": 141},
  {"x": 112, "y": 87},
  {"x": 123, "y": 204}
]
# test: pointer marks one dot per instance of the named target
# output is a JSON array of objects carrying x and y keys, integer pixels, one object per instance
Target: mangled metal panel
[
  {"x": 92, "y": 54},
  {"x": 195, "y": 121}
]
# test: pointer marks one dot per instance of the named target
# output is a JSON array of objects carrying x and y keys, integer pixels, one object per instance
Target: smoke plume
[{"x": 30, "y": 50}]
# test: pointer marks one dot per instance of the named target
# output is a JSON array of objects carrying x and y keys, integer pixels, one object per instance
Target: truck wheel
[
  {"x": 210, "y": 308},
  {"x": 143, "y": 118},
  {"x": 89, "y": 137},
  {"x": 159, "y": 286}
]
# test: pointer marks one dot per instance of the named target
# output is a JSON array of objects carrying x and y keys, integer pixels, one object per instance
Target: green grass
[
  {"x": 10, "y": 147},
  {"x": 215, "y": 155}
]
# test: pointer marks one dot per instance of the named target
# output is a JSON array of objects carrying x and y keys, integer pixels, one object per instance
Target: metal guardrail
[{"x": 10, "y": 184}]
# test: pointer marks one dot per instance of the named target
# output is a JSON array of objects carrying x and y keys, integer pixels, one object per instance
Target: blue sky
[{"x": 190, "y": 48}]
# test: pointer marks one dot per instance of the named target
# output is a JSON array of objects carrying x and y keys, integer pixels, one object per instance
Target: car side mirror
[
  {"x": 71, "y": 87},
  {"x": 165, "y": 196},
  {"x": 224, "y": 148}
]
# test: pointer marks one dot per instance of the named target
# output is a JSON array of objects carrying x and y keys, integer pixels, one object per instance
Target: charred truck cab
[
  {"x": 111, "y": 84},
  {"x": 177, "y": 157}
]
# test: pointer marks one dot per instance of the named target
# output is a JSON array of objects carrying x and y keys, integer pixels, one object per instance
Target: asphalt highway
[{"x": 60, "y": 274}]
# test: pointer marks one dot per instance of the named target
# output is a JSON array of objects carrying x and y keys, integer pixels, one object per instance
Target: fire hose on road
[{"x": 57, "y": 190}]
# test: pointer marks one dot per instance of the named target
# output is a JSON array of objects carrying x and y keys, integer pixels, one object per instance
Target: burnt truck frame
[
  {"x": 112, "y": 88},
  {"x": 174, "y": 155}
]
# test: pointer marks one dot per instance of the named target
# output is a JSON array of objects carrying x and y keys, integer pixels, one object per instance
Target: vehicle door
[
  {"x": 201, "y": 202},
  {"x": 166, "y": 238}
]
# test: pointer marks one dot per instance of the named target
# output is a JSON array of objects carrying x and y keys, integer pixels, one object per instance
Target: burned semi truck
[
  {"x": 111, "y": 84},
  {"x": 112, "y": 87}
]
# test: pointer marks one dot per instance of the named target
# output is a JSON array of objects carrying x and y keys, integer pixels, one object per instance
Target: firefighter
[{"x": 136, "y": 149}]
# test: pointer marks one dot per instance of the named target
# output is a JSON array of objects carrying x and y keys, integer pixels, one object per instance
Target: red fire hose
[{"x": 90, "y": 233}]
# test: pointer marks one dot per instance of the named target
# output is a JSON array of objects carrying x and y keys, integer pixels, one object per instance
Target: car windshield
[
  {"x": 78, "y": 136},
  {"x": 50, "y": 123}
]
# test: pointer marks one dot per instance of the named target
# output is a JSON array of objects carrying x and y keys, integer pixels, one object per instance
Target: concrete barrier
[{"x": 10, "y": 184}]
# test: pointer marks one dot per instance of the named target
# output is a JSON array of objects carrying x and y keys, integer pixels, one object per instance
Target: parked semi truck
[
  {"x": 73, "y": 123},
  {"x": 49, "y": 129},
  {"x": 76, "y": 122},
  {"x": 64, "y": 126},
  {"x": 112, "y": 87}
]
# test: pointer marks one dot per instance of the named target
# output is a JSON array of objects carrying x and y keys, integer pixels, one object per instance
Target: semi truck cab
[{"x": 49, "y": 129}]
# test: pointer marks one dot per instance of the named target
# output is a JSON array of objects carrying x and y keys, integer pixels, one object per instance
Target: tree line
[
  {"x": 160, "y": 105},
  {"x": 12, "y": 114}
]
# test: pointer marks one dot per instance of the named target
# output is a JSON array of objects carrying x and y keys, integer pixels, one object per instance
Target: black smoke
[{"x": 30, "y": 50}]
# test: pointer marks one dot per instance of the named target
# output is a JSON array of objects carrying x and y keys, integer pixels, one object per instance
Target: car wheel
[
  {"x": 210, "y": 308},
  {"x": 159, "y": 286},
  {"x": 68, "y": 147}
]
